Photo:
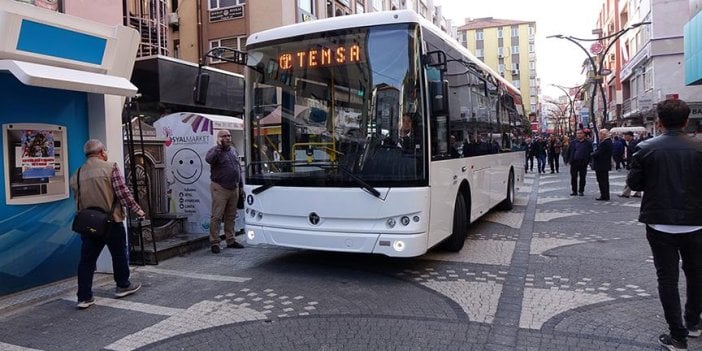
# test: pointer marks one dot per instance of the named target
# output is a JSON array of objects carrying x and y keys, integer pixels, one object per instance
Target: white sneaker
[{"x": 86, "y": 303}]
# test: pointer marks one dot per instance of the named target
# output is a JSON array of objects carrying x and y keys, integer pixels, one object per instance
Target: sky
[{"x": 558, "y": 61}]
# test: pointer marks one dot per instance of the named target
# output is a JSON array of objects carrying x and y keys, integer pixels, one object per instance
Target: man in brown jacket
[{"x": 102, "y": 185}]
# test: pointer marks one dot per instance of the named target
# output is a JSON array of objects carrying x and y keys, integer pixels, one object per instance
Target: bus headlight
[
  {"x": 251, "y": 234},
  {"x": 404, "y": 220},
  {"x": 398, "y": 245}
]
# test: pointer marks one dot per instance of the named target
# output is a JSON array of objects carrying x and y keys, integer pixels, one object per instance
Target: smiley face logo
[{"x": 186, "y": 166}]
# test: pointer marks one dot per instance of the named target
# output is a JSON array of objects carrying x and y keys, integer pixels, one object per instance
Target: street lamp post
[{"x": 597, "y": 70}]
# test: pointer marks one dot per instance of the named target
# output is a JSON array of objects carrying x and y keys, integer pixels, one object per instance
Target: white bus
[{"x": 349, "y": 124}]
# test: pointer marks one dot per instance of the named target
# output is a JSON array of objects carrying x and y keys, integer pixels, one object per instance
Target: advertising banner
[
  {"x": 189, "y": 137},
  {"x": 585, "y": 116}
]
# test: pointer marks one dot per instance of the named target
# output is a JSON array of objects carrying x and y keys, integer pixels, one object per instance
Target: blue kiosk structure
[{"x": 63, "y": 80}]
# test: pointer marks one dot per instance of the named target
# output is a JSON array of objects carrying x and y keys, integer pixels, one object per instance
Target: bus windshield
[{"x": 337, "y": 108}]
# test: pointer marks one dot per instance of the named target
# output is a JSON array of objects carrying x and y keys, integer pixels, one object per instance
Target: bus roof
[
  {"x": 370, "y": 19},
  {"x": 340, "y": 22}
]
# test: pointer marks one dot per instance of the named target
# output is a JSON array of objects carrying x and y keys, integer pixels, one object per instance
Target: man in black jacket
[
  {"x": 602, "y": 162},
  {"x": 579, "y": 157},
  {"x": 668, "y": 169}
]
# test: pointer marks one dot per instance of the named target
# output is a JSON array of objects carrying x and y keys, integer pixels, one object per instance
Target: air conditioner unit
[
  {"x": 501, "y": 55},
  {"x": 515, "y": 71},
  {"x": 173, "y": 18}
]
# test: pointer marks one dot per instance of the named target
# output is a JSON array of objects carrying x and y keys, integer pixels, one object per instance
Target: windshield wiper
[{"x": 367, "y": 187}]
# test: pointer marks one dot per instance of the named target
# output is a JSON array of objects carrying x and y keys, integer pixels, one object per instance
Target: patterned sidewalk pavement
[{"x": 555, "y": 273}]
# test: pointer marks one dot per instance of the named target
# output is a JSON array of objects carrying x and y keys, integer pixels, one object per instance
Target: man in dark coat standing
[
  {"x": 602, "y": 162},
  {"x": 668, "y": 169},
  {"x": 579, "y": 157}
]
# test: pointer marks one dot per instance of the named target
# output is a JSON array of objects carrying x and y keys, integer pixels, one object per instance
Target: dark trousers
[
  {"x": 667, "y": 250},
  {"x": 529, "y": 164},
  {"x": 618, "y": 162},
  {"x": 90, "y": 249},
  {"x": 578, "y": 168},
  {"x": 553, "y": 161},
  {"x": 603, "y": 183}
]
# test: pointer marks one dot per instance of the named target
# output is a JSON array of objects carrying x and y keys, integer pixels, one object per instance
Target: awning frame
[{"x": 38, "y": 75}]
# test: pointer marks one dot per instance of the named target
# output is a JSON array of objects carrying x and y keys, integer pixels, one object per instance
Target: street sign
[{"x": 596, "y": 48}]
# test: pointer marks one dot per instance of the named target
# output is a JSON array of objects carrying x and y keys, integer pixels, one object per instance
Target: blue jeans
[
  {"x": 541, "y": 162},
  {"x": 90, "y": 249},
  {"x": 667, "y": 250}
]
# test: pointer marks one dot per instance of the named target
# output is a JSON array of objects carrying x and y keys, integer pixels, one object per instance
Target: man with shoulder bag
[{"x": 99, "y": 185}]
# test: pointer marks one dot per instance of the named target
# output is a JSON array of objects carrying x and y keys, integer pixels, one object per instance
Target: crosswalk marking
[{"x": 215, "y": 277}]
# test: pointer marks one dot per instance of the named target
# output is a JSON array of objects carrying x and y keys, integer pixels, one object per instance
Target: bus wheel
[
  {"x": 454, "y": 243},
  {"x": 508, "y": 203}
]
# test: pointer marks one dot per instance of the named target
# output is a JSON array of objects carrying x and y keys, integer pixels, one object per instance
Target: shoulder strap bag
[{"x": 91, "y": 222}]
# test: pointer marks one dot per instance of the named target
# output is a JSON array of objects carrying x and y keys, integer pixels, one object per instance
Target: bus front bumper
[{"x": 394, "y": 245}]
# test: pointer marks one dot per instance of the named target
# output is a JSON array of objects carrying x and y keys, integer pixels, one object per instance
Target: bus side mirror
[
  {"x": 202, "y": 82},
  {"x": 438, "y": 90},
  {"x": 436, "y": 59}
]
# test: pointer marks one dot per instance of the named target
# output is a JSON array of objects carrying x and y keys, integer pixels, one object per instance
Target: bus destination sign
[{"x": 322, "y": 57}]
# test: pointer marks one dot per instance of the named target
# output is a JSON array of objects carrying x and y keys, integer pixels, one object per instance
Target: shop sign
[
  {"x": 306, "y": 16},
  {"x": 226, "y": 14},
  {"x": 695, "y": 109}
]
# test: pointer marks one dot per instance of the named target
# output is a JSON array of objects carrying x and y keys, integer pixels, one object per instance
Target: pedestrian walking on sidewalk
[
  {"x": 629, "y": 148},
  {"x": 102, "y": 185},
  {"x": 579, "y": 157},
  {"x": 554, "y": 152},
  {"x": 540, "y": 147},
  {"x": 668, "y": 169},
  {"x": 226, "y": 187},
  {"x": 602, "y": 163},
  {"x": 618, "y": 152}
]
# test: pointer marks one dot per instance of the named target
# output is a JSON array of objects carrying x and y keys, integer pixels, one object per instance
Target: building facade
[
  {"x": 646, "y": 62},
  {"x": 199, "y": 26},
  {"x": 508, "y": 47}
]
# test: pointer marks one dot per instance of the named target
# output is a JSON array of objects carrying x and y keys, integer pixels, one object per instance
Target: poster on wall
[{"x": 35, "y": 160}]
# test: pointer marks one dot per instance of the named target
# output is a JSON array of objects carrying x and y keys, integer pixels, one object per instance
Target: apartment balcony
[
  {"x": 636, "y": 105},
  {"x": 629, "y": 105}
]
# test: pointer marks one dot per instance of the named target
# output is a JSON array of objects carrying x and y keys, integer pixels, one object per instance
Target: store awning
[{"x": 39, "y": 75}]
